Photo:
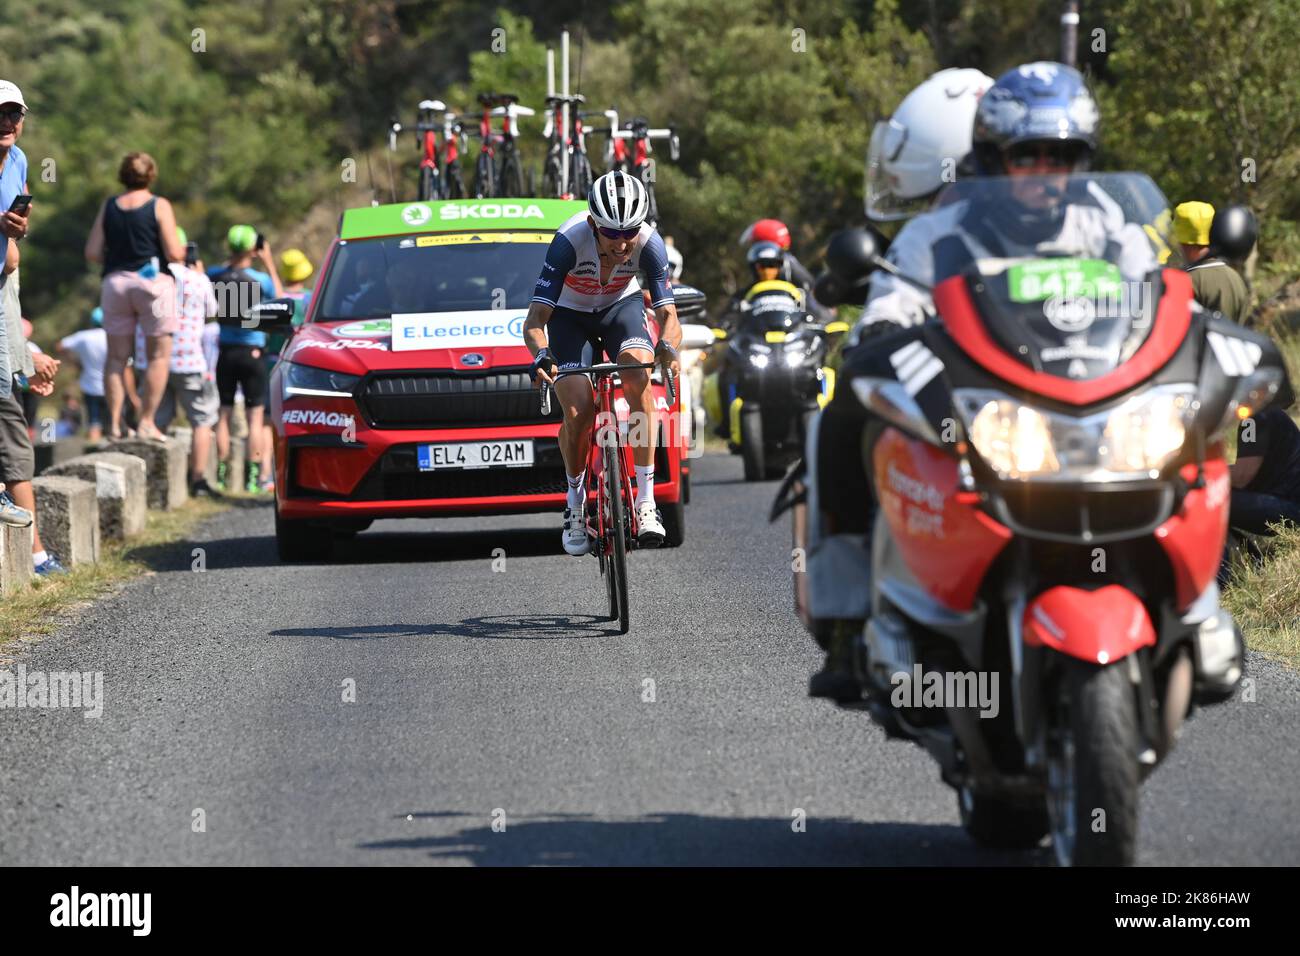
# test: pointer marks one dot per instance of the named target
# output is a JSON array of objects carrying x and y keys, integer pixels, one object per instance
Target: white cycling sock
[
  {"x": 645, "y": 484},
  {"x": 577, "y": 490}
]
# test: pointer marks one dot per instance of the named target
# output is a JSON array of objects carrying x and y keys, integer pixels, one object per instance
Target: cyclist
[
  {"x": 1037, "y": 120},
  {"x": 792, "y": 270},
  {"x": 588, "y": 298}
]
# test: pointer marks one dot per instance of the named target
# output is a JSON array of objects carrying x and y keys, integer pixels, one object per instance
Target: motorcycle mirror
[
  {"x": 853, "y": 254},
  {"x": 696, "y": 336},
  {"x": 830, "y": 290}
]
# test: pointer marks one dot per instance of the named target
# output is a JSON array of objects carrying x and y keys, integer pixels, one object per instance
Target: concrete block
[
  {"x": 15, "y": 559},
  {"x": 67, "y": 514},
  {"x": 120, "y": 487},
  {"x": 165, "y": 470}
]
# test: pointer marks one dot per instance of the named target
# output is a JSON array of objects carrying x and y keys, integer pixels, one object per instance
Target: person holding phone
[
  {"x": 135, "y": 238},
  {"x": 13, "y": 227}
]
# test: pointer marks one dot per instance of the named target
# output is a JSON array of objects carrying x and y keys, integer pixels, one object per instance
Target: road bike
[
  {"x": 578, "y": 182},
  {"x": 440, "y": 176},
  {"x": 611, "y": 519},
  {"x": 426, "y": 134},
  {"x": 635, "y": 158},
  {"x": 500, "y": 176}
]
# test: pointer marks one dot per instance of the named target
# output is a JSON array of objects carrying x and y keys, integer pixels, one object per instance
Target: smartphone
[
  {"x": 191, "y": 253},
  {"x": 21, "y": 204},
  {"x": 261, "y": 241}
]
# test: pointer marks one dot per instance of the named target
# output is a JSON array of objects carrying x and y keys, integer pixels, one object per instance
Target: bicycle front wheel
[{"x": 615, "y": 533}]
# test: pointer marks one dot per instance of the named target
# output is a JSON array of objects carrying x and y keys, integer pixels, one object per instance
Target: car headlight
[
  {"x": 758, "y": 359},
  {"x": 1132, "y": 441},
  {"x": 298, "y": 379}
]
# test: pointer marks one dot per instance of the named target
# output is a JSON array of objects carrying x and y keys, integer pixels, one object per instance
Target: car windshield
[
  {"x": 1064, "y": 270},
  {"x": 374, "y": 278}
]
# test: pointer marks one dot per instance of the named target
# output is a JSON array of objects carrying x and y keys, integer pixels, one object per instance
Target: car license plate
[{"x": 511, "y": 453}]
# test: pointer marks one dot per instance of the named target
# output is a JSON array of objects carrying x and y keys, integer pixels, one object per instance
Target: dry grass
[
  {"x": 1264, "y": 597},
  {"x": 53, "y": 602}
]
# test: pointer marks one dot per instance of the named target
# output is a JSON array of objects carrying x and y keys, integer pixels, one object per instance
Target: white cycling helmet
[
  {"x": 618, "y": 200},
  {"x": 917, "y": 149}
]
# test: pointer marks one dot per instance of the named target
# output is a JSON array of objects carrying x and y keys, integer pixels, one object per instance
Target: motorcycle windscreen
[{"x": 1064, "y": 275}]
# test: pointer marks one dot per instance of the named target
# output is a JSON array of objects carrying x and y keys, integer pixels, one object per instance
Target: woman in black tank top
[{"x": 135, "y": 239}]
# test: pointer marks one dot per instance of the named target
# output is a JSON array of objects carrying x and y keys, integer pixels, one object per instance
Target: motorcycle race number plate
[
  {"x": 514, "y": 453},
  {"x": 1063, "y": 278},
  {"x": 946, "y": 544}
]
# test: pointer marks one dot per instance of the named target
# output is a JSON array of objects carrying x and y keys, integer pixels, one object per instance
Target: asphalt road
[{"x": 485, "y": 695}]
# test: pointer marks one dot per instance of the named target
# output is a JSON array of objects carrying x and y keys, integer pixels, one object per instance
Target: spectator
[
  {"x": 134, "y": 236},
  {"x": 1215, "y": 284},
  {"x": 240, "y": 366},
  {"x": 190, "y": 382},
  {"x": 1266, "y": 474},
  {"x": 69, "y": 423},
  {"x": 295, "y": 270},
  {"x": 17, "y": 457},
  {"x": 90, "y": 348}
]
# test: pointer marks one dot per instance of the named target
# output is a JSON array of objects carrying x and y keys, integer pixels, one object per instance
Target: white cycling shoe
[
  {"x": 575, "y": 537},
  {"x": 650, "y": 533}
]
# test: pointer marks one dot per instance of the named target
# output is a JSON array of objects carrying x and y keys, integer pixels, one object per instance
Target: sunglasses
[
  {"x": 13, "y": 116},
  {"x": 619, "y": 233},
  {"x": 1030, "y": 156}
]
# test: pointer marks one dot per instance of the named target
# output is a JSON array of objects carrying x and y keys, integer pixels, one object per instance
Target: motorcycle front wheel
[{"x": 1092, "y": 766}]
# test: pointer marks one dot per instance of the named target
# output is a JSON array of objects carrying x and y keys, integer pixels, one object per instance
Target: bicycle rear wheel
[
  {"x": 511, "y": 183},
  {"x": 455, "y": 186},
  {"x": 580, "y": 175},
  {"x": 616, "y": 533},
  {"x": 428, "y": 183},
  {"x": 484, "y": 178},
  {"x": 551, "y": 186}
]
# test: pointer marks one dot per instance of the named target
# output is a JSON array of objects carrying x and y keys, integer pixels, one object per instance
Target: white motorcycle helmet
[{"x": 917, "y": 150}]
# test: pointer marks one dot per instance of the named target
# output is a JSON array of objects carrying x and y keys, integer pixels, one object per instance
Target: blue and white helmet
[
  {"x": 1035, "y": 102},
  {"x": 618, "y": 200}
]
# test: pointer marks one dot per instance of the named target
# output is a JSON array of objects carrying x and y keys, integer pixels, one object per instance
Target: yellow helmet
[
  {"x": 1192, "y": 223},
  {"x": 295, "y": 266}
]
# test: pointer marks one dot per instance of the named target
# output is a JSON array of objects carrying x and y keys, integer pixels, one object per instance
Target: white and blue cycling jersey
[{"x": 570, "y": 276}]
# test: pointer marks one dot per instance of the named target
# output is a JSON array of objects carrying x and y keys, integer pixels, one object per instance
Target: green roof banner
[{"x": 457, "y": 215}]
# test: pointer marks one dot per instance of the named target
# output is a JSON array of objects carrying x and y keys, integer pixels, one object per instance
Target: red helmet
[{"x": 767, "y": 230}]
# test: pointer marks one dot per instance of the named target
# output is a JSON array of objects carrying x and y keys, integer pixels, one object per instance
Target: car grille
[
  {"x": 437, "y": 399},
  {"x": 396, "y": 477}
]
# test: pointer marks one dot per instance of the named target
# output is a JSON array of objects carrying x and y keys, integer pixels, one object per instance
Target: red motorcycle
[{"x": 1048, "y": 458}]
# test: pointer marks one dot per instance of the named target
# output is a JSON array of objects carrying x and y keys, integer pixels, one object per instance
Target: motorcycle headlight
[
  {"x": 1132, "y": 441},
  {"x": 308, "y": 380},
  {"x": 759, "y": 355},
  {"x": 1014, "y": 439}
]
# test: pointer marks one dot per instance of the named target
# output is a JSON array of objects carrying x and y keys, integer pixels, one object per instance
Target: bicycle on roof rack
[
  {"x": 498, "y": 171},
  {"x": 439, "y": 176},
  {"x": 628, "y": 147},
  {"x": 554, "y": 183}
]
